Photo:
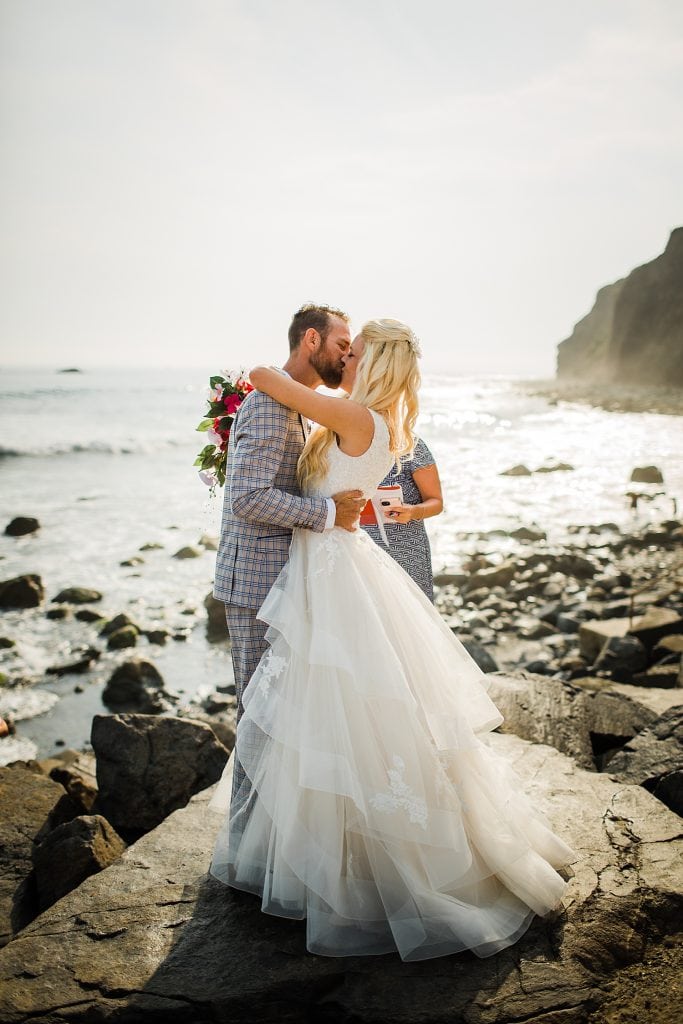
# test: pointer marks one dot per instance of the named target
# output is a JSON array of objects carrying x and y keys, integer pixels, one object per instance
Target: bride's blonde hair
[{"x": 387, "y": 381}]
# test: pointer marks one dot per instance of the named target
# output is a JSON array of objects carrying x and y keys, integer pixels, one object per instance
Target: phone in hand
[{"x": 389, "y": 497}]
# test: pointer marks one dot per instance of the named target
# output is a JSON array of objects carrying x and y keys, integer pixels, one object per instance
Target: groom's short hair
[{"x": 317, "y": 317}]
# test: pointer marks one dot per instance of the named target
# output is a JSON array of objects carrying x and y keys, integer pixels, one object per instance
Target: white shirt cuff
[{"x": 331, "y": 513}]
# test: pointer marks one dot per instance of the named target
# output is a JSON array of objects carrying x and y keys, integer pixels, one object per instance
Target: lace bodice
[{"x": 361, "y": 472}]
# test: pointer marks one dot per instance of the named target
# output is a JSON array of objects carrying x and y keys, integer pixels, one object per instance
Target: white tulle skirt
[{"x": 373, "y": 806}]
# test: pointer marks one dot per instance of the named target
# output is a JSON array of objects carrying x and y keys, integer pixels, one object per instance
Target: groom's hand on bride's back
[{"x": 348, "y": 505}]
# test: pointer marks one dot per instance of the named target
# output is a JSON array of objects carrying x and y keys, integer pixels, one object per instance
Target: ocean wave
[{"x": 94, "y": 447}]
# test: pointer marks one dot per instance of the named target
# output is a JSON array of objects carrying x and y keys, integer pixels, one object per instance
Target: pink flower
[
  {"x": 208, "y": 477},
  {"x": 215, "y": 394},
  {"x": 232, "y": 403},
  {"x": 213, "y": 437}
]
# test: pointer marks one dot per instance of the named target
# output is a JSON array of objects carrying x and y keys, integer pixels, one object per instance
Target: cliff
[{"x": 634, "y": 332}]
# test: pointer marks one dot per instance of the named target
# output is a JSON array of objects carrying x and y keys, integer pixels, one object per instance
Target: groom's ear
[{"x": 311, "y": 339}]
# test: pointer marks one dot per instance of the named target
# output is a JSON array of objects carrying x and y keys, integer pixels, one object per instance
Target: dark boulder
[
  {"x": 71, "y": 853},
  {"x": 22, "y": 592},
  {"x": 22, "y": 525},
  {"x": 148, "y": 766},
  {"x": 137, "y": 685}
]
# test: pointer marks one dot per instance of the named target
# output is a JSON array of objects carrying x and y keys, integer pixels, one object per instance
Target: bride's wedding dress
[{"x": 376, "y": 810}]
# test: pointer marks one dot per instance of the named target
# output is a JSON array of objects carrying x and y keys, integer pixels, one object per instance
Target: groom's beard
[{"x": 328, "y": 367}]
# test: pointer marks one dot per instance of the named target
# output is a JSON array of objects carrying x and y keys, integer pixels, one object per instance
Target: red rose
[{"x": 232, "y": 403}]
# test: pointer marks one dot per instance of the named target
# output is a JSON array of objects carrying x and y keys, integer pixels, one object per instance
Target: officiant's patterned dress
[{"x": 408, "y": 542}]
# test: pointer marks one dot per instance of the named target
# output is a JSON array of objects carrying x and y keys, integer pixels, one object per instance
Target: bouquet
[{"x": 224, "y": 399}]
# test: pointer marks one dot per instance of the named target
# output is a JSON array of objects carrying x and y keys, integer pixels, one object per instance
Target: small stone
[
  {"x": 156, "y": 636},
  {"x": 647, "y": 475},
  {"x": 118, "y": 622},
  {"x": 555, "y": 467},
  {"x": 127, "y": 636},
  {"x": 77, "y": 595},
  {"x": 528, "y": 533},
  {"x": 187, "y": 552},
  {"x": 60, "y": 612},
  {"x": 88, "y": 615},
  {"x": 208, "y": 543},
  {"x": 22, "y": 525},
  {"x": 518, "y": 470},
  {"x": 151, "y": 546},
  {"x": 6, "y": 643},
  {"x": 84, "y": 660},
  {"x": 135, "y": 560}
]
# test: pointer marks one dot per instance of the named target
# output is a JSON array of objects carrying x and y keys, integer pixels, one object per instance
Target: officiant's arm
[{"x": 346, "y": 418}]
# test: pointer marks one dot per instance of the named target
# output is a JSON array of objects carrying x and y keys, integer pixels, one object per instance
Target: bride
[{"x": 376, "y": 809}]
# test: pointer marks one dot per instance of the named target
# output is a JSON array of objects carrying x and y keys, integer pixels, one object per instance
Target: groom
[{"x": 263, "y": 502}]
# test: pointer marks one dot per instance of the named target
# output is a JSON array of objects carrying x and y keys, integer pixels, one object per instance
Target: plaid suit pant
[{"x": 248, "y": 639}]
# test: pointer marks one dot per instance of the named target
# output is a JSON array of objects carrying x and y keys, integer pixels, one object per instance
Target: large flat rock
[{"x": 154, "y": 938}]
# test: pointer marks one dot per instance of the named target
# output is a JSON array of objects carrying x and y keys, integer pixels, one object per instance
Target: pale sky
[{"x": 178, "y": 176}]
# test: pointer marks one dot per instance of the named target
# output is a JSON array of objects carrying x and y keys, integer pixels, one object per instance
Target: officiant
[{"x": 402, "y": 532}]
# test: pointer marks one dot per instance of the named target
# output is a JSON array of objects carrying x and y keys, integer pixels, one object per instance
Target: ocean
[{"x": 104, "y": 460}]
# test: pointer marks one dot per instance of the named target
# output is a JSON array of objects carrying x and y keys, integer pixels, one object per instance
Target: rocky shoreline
[
  {"x": 614, "y": 397},
  {"x": 106, "y": 908}
]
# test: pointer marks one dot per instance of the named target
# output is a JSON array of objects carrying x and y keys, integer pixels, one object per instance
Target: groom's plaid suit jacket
[{"x": 262, "y": 502}]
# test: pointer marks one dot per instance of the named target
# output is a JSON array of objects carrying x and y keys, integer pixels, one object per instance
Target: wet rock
[
  {"x": 127, "y": 636},
  {"x": 28, "y": 802},
  {"x": 621, "y": 657},
  {"x": 130, "y": 562},
  {"x": 528, "y": 533},
  {"x": 151, "y": 546},
  {"x": 216, "y": 626},
  {"x": 208, "y": 543},
  {"x": 519, "y": 470},
  {"x": 88, "y": 615},
  {"x": 77, "y": 595},
  {"x": 148, "y": 766},
  {"x": 82, "y": 663},
  {"x": 654, "y": 759},
  {"x": 22, "y": 592},
  {"x": 6, "y": 643},
  {"x": 71, "y": 853},
  {"x": 555, "y": 467},
  {"x": 148, "y": 938},
  {"x": 21, "y": 525},
  {"x": 450, "y": 579},
  {"x": 59, "y": 613},
  {"x": 187, "y": 552},
  {"x": 156, "y": 636},
  {"x": 137, "y": 685},
  {"x": 497, "y": 576},
  {"x": 646, "y": 475},
  {"x": 542, "y": 665},
  {"x": 485, "y": 660},
  {"x": 118, "y": 622}
]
